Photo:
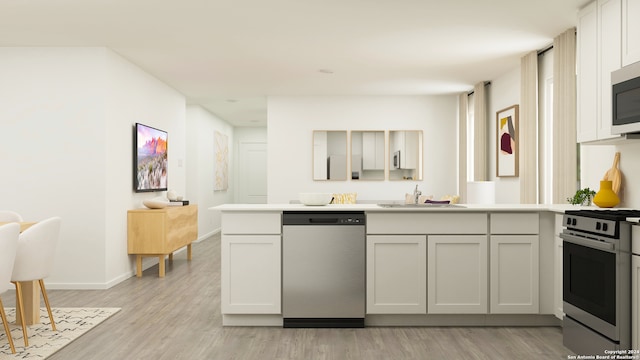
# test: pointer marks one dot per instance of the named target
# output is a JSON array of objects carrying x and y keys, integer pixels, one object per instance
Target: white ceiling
[{"x": 229, "y": 55}]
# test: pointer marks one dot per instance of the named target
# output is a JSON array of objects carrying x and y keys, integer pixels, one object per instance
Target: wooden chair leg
[
  {"x": 21, "y": 312},
  {"x": 46, "y": 302},
  {"x": 6, "y": 327}
]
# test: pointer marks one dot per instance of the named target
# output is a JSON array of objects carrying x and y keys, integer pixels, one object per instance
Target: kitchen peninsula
[{"x": 477, "y": 265}]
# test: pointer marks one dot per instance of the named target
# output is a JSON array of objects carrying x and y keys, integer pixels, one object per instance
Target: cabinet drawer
[
  {"x": 252, "y": 223},
  {"x": 518, "y": 223},
  {"x": 426, "y": 223}
]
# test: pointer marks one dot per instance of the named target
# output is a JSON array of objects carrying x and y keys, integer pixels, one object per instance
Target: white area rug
[{"x": 71, "y": 323}]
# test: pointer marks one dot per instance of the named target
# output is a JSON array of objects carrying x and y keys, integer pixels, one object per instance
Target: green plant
[{"x": 582, "y": 197}]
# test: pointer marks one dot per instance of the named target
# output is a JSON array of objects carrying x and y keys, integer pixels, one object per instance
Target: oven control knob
[
  {"x": 604, "y": 227},
  {"x": 598, "y": 225},
  {"x": 573, "y": 222},
  {"x": 568, "y": 221}
]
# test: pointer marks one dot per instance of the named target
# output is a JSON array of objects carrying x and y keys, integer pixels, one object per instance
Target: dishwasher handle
[{"x": 323, "y": 220}]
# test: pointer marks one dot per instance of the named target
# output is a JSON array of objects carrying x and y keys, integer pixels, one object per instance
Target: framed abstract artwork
[
  {"x": 221, "y": 155},
  {"x": 507, "y": 142}
]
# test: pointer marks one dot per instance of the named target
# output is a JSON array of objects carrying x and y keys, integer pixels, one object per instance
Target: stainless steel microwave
[{"x": 625, "y": 101}]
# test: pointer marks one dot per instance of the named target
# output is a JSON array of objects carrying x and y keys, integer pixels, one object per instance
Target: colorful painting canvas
[
  {"x": 221, "y": 154},
  {"x": 507, "y": 142}
]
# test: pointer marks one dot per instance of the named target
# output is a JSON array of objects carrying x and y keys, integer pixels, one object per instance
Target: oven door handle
[{"x": 595, "y": 244}]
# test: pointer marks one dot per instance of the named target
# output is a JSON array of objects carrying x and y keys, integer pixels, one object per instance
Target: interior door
[{"x": 252, "y": 173}]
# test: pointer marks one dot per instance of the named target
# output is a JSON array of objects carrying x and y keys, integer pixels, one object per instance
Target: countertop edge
[{"x": 559, "y": 208}]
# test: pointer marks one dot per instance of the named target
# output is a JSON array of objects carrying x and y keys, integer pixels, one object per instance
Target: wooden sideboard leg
[
  {"x": 171, "y": 257},
  {"x": 189, "y": 252},
  {"x": 139, "y": 265},
  {"x": 161, "y": 266}
]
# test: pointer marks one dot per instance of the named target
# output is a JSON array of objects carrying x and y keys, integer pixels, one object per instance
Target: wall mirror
[
  {"x": 405, "y": 155},
  {"x": 329, "y": 155},
  {"x": 367, "y": 155}
]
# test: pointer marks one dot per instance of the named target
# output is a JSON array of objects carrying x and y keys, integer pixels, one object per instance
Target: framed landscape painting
[{"x": 507, "y": 142}]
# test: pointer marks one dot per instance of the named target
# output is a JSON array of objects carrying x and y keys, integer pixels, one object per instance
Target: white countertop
[{"x": 559, "y": 208}]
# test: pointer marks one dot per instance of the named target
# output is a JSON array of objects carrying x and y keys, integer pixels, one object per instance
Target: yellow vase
[{"x": 606, "y": 197}]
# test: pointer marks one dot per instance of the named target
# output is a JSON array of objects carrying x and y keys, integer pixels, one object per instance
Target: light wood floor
[{"x": 178, "y": 317}]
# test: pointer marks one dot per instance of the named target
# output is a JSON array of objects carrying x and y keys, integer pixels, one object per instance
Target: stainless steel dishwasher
[{"x": 323, "y": 269}]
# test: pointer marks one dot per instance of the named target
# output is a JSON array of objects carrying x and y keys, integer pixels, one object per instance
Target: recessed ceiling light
[{"x": 325, "y": 71}]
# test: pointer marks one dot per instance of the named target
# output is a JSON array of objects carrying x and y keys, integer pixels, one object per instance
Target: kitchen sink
[{"x": 420, "y": 206}]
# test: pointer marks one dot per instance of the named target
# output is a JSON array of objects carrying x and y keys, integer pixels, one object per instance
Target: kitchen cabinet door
[
  {"x": 587, "y": 64},
  {"x": 599, "y": 38},
  {"x": 609, "y": 39},
  {"x": 251, "y": 274},
  {"x": 373, "y": 150},
  {"x": 457, "y": 274},
  {"x": 557, "y": 270},
  {"x": 630, "y": 32},
  {"x": 396, "y": 274},
  {"x": 635, "y": 302},
  {"x": 514, "y": 274}
]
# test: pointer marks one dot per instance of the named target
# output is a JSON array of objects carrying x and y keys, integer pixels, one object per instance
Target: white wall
[
  {"x": 131, "y": 96},
  {"x": 291, "y": 121},
  {"x": 201, "y": 168},
  {"x": 503, "y": 92},
  {"x": 66, "y": 148},
  {"x": 595, "y": 160}
]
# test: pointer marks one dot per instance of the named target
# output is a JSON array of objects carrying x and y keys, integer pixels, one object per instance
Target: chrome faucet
[{"x": 416, "y": 195}]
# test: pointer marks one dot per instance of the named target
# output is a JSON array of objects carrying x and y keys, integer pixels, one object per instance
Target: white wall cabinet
[
  {"x": 630, "y": 32},
  {"x": 514, "y": 274},
  {"x": 599, "y": 53},
  {"x": 587, "y": 65},
  {"x": 251, "y": 263},
  {"x": 373, "y": 148},
  {"x": 396, "y": 274},
  {"x": 457, "y": 274}
]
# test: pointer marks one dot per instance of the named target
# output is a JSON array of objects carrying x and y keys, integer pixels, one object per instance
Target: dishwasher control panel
[{"x": 323, "y": 218}]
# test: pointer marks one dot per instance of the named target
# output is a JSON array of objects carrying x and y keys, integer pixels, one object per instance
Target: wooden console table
[{"x": 160, "y": 232}]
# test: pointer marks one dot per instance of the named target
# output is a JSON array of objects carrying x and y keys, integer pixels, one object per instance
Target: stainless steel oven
[{"x": 596, "y": 280}]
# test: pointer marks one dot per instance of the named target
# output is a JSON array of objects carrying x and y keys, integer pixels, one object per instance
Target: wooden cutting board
[{"x": 614, "y": 175}]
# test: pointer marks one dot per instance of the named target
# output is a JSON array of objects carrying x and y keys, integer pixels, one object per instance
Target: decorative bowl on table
[
  {"x": 155, "y": 203},
  {"x": 315, "y": 199}
]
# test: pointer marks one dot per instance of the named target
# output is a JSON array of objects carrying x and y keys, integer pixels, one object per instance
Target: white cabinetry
[
  {"x": 514, "y": 271},
  {"x": 373, "y": 150},
  {"x": 396, "y": 274},
  {"x": 457, "y": 274},
  {"x": 635, "y": 289},
  {"x": 251, "y": 263},
  {"x": 630, "y": 32},
  {"x": 514, "y": 274},
  {"x": 609, "y": 56},
  {"x": 599, "y": 53},
  {"x": 587, "y": 39},
  {"x": 557, "y": 269}
]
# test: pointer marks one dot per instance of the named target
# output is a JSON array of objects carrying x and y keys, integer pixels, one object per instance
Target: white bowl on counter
[{"x": 315, "y": 199}]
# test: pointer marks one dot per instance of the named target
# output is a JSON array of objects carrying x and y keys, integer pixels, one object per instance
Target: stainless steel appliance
[
  {"x": 596, "y": 280},
  {"x": 323, "y": 269},
  {"x": 625, "y": 99}
]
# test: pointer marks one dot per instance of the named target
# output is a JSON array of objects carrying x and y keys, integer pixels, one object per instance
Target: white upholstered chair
[
  {"x": 10, "y": 216},
  {"x": 34, "y": 262},
  {"x": 8, "y": 245}
]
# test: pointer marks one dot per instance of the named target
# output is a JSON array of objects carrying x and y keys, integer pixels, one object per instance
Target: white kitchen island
[{"x": 478, "y": 265}]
